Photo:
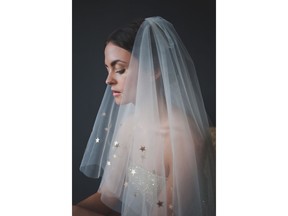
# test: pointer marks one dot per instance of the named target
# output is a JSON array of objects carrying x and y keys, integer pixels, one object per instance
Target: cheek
[
  {"x": 122, "y": 82},
  {"x": 130, "y": 88},
  {"x": 131, "y": 80}
]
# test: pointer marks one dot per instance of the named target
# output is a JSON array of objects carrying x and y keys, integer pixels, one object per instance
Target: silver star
[
  {"x": 133, "y": 172},
  {"x": 97, "y": 140},
  {"x": 116, "y": 144},
  {"x": 108, "y": 127},
  {"x": 108, "y": 163}
]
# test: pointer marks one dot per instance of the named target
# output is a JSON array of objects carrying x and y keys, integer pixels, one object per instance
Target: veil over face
[{"x": 152, "y": 147}]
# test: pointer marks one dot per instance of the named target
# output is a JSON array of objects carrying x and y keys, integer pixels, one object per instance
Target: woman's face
[{"x": 116, "y": 62}]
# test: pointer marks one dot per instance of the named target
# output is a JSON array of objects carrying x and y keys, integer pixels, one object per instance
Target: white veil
[{"x": 154, "y": 152}]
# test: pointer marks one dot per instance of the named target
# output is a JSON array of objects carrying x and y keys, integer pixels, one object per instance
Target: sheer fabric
[{"x": 154, "y": 151}]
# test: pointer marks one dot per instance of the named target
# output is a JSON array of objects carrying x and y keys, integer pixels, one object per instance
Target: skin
[
  {"x": 93, "y": 206},
  {"x": 116, "y": 62}
]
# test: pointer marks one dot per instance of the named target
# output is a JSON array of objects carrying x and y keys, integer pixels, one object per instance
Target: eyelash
[{"x": 121, "y": 71}]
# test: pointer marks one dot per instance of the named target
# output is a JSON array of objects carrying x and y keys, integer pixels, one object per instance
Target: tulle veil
[{"x": 154, "y": 151}]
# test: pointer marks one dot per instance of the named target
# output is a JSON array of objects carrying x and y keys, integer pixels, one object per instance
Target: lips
[{"x": 116, "y": 93}]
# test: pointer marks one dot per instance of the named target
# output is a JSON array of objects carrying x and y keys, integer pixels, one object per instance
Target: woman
[{"x": 150, "y": 142}]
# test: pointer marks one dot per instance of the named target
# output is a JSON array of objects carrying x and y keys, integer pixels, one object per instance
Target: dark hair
[{"x": 124, "y": 36}]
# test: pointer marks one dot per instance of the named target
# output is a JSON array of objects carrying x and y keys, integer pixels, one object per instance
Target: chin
[{"x": 119, "y": 101}]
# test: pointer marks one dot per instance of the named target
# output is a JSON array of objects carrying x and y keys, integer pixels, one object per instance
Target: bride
[{"x": 151, "y": 142}]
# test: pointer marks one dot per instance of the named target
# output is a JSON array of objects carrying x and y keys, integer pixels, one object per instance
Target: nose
[{"x": 110, "y": 79}]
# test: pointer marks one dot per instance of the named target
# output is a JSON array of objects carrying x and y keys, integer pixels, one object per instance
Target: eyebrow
[{"x": 113, "y": 63}]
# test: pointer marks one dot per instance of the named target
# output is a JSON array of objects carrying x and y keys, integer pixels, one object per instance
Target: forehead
[{"x": 115, "y": 53}]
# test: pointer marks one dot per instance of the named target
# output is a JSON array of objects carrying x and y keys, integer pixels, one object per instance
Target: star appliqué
[
  {"x": 143, "y": 148},
  {"x": 160, "y": 203},
  {"x": 133, "y": 172},
  {"x": 116, "y": 144}
]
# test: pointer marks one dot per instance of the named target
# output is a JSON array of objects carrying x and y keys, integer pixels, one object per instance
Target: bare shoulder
[{"x": 93, "y": 203}]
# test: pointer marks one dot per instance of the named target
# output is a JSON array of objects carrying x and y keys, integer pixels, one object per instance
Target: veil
[{"x": 154, "y": 151}]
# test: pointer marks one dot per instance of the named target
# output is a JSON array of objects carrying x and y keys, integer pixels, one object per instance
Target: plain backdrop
[{"x": 92, "y": 21}]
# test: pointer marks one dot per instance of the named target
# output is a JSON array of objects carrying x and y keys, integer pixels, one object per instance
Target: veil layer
[{"x": 154, "y": 151}]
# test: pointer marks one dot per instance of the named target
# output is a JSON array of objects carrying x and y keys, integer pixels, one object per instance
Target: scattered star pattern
[
  {"x": 133, "y": 172},
  {"x": 143, "y": 148},
  {"x": 116, "y": 144},
  {"x": 159, "y": 203}
]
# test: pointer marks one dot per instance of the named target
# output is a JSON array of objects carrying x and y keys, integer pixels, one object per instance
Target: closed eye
[{"x": 121, "y": 71}]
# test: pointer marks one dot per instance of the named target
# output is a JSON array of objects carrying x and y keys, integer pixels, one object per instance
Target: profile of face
[{"x": 117, "y": 61}]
